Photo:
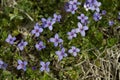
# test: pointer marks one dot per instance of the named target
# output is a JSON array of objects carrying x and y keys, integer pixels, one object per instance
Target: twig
[{"x": 25, "y": 13}]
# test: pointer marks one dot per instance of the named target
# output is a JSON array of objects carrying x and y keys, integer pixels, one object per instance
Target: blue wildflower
[
  {"x": 22, "y": 44},
  {"x": 74, "y": 51},
  {"x": 97, "y": 16},
  {"x": 111, "y": 23},
  {"x": 56, "y": 40},
  {"x": 83, "y": 18},
  {"x": 40, "y": 46},
  {"x": 49, "y": 23},
  {"x": 22, "y": 65},
  {"x": 92, "y": 5},
  {"x": 72, "y": 9},
  {"x": 44, "y": 66},
  {"x": 61, "y": 54},
  {"x": 37, "y": 30},
  {"x": 72, "y": 34},
  {"x": 10, "y": 39},
  {"x": 81, "y": 29},
  {"x": 104, "y": 12},
  {"x": 95, "y": 6},
  {"x": 3, "y": 65},
  {"x": 57, "y": 17}
]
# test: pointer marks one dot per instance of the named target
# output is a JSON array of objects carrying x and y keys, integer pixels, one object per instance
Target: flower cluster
[
  {"x": 48, "y": 23},
  {"x": 71, "y": 6},
  {"x": 22, "y": 65},
  {"x": 82, "y": 27},
  {"x": 92, "y": 5},
  {"x": 11, "y": 41},
  {"x": 38, "y": 29}
]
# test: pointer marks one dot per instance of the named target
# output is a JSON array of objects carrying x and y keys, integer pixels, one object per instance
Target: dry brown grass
[{"x": 106, "y": 68}]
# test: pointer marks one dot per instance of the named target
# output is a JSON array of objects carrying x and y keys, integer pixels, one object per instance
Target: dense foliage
[{"x": 50, "y": 39}]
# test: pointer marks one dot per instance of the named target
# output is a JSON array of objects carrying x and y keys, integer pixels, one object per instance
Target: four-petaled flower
[
  {"x": 74, "y": 51},
  {"x": 45, "y": 66},
  {"x": 22, "y": 44},
  {"x": 103, "y": 12},
  {"x": 111, "y": 23},
  {"x": 96, "y": 6},
  {"x": 56, "y": 40},
  {"x": 81, "y": 29},
  {"x": 40, "y": 46},
  {"x": 49, "y": 24},
  {"x": 3, "y": 65},
  {"x": 37, "y": 30},
  {"x": 72, "y": 9},
  {"x": 10, "y": 39},
  {"x": 72, "y": 34},
  {"x": 83, "y": 18},
  {"x": 22, "y": 65},
  {"x": 61, "y": 54},
  {"x": 57, "y": 17},
  {"x": 97, "y": 16}
]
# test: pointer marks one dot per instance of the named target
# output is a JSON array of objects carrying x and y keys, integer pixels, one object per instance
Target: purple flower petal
[
  {"x": 65, "y": 55},
  {"x": 56, "y": 36},
  {"x": 50, "y": 28},
  {"x": 20, "y": 62},
  {"x": 63, "y": 49},
  {"x": 21, "y": 48},
  {"x": 85, "y": 28},
  {"x": 25, "y": 63},
  {"x": 47, "y": 69},
  {"x": 52, "y": 40},
  {"x": 82, "y": 33},
  {"x": 60, "y": 57},
  {"x": 70, "y": 51},
  {"x": 42, "y": 63},
  {"x": 55, "y": 44},
  {"x": 79, "y": 25},
  {"x": 47, "y": 63},
  {"x": 37, "y": 34},
  {"x": 58, "y": 52},
  {"x": 19, "y": 67},
  {"x": 42, "y": 69},
  {"x": 74, "y": 54}
]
